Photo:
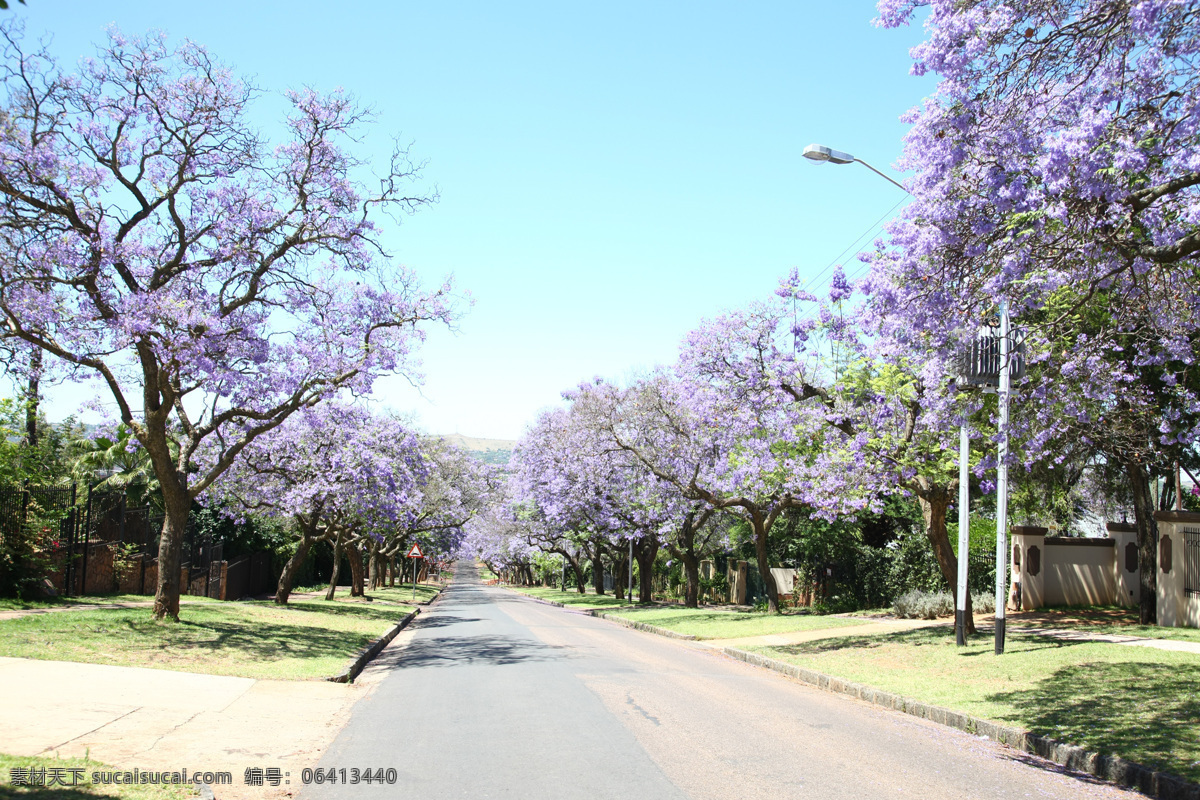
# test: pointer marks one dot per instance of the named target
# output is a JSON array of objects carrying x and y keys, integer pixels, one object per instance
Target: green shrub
[{"x": 915, "y": 604}]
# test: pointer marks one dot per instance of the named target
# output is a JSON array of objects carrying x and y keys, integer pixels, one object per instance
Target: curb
[
  {"x": 1111, "y": 768},
  {"x": 1114, "y": 769},
  {"x": 641, "y": 626},
  {"x": 370, "y": 651},
  {"x": 628, "y": 623}
]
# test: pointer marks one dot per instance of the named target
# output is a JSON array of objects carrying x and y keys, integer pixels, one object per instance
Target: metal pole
[
  {"x": 1002, "y": 484},
  {"x": 414, "y": 569},
  {"x": 631, "y": 572},
  {"x": 964, "y": 532}
]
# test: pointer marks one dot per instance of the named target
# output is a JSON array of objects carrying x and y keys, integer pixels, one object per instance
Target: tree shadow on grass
[
  {"x": 1143, "y": 711},
  {"x": 262, "y": 641},
  {"x": 831, "y": 644},
  {"x": 361, "y": 610},
  {"x": 9, "y": 792}
]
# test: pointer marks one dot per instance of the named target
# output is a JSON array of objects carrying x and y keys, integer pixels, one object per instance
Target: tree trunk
[
  {"x": 1147, "y": 537},
  {"x": 691, "y": 572},
  {"x": 288, "y": 575},
  {"x": 577, "y": 568},
  {"x": 685, "y": 550},
  {"x": 170, "y": 547},
  {"x": 33, "y": 398},
  {"x": 337, "y": 567},
  {"x": 354, "y": 555},
  {"x": 647, "y": 552},
  {"x": 759, "y": 526},
  {"x": 597, "y": 572},
  {"x": 934, "y": 502}
]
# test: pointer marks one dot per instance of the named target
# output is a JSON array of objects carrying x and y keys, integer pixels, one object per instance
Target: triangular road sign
[{"x": 415, "y": 551}]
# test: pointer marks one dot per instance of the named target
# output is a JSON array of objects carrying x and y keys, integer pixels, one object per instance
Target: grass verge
[
  {"x": 707, "y": 623},
  {"x": 703, "y": 623},
  {"x": 571, "y": 597},
  {"x": 1138, "y": 703},
  {"x": 306, "y": 639},
  {"x": 67, "y": 770},
  {"x": 13, "y": 604}
]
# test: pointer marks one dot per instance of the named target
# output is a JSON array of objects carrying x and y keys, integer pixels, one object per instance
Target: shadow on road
[
  {"x": 452, "y": 651},
  {"x": 440, "y": 621}
]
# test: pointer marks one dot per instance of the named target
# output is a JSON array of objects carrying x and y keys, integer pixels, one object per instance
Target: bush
[{"x": 930, "y": 605}]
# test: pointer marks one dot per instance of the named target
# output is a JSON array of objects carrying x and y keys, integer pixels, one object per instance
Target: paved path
[
  {"x": 795, "y": 637},
  {"x": 493, "y": 695},
  {"x": 1176, "y": 645},
  {"x": 151, "y": 719}
]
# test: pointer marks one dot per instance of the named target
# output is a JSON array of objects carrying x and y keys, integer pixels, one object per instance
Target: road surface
[{"x": 493, "y": 695}]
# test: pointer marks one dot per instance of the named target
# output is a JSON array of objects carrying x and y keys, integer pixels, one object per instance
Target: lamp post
[{"x": 821, "y": 154}]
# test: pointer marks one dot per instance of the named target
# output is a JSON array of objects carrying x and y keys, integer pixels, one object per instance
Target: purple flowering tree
[
  {"x": 705, "y": 450},
  {"x": 1058, "y": 166},
  {"x": 215, "y": 284},
  {"x": 866, "y": 415},
  {"x": 340, "y": 473},
  {"x": 456, "y": 489}
]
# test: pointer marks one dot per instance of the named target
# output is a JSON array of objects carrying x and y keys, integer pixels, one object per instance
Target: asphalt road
[{"x": 492, "y": 695}]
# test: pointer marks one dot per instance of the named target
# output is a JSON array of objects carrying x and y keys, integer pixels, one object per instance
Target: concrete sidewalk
[
  {"x": 150, "y": 719},
  {"x": 982, "y": 621}
]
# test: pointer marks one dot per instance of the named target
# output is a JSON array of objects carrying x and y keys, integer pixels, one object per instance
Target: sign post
[{"x": 414, "y": 553}]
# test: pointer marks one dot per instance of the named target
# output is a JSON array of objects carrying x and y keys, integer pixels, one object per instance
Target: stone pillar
[
  {"x": 1028, "y": 554},
  {"x": 1127, "y": 575},
  {"x": 738, "y": 585},
  {"x": 1171, "y": 565}
]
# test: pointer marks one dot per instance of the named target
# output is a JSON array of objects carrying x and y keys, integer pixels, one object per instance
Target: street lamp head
[{"x": 819, "y": 152}]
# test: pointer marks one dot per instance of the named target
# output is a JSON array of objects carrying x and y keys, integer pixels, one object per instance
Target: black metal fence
[
  {"x": 71, "y": 524},
  {"x": 1191, "y": 562},
  {"x": 249, "y": 575}
]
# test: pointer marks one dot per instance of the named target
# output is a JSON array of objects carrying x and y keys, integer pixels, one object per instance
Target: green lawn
[
  {"x": 704, "y": 623},
  {"x": 305, "y": 640},
  {"x": 397, "y": 594},
  {"x": 1139, "y": 703},
  {"x": 571, "y": 597},
  {"x": 710, "y": 623},
  {"x": 85, "y": 788},
  {"x": 12, "y": 604}
]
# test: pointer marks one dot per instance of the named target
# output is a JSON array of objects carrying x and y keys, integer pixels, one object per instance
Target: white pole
[
  {"x": 964, "y": 531},
  {"x": 631, "y": 572},
  {"x": 1002, "y": 484}
]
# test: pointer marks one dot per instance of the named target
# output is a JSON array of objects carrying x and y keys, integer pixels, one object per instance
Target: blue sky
[{"x": 610, "y": 174}]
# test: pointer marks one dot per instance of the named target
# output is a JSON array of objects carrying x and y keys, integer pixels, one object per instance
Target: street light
[{"x": 821, "y": 153}]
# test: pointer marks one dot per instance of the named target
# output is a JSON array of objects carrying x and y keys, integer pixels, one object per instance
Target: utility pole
[
  {"x": 964, "y": 532},
  {"x": 1002, "y": 483}
]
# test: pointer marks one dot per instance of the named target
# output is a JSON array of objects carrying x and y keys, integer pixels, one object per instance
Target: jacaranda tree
[
  {"x": 1057, "y": 166},
  {"x": 152, "y": 238},
  {"x": 337, "y": 472}
]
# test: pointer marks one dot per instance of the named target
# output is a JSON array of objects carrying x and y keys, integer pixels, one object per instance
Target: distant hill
[{"x": 489, "y": 451}]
